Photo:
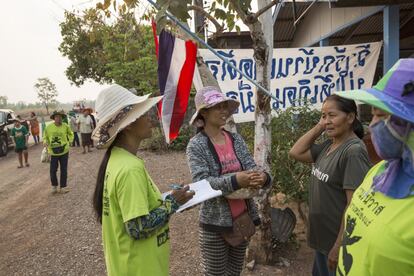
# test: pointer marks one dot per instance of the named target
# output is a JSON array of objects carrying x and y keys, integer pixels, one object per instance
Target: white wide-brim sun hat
[{"x": 117, "y": 108}]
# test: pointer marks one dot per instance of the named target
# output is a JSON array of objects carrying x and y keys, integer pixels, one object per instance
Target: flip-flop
[
  {"x": 19, "y": 167},
  {"x": 27, "y": 165}
]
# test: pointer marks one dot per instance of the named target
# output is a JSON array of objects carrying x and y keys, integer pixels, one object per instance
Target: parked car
[{"x": 7, "y": 117}]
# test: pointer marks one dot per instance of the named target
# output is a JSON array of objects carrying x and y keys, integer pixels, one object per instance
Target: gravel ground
[{"x": 44, "y": 234}]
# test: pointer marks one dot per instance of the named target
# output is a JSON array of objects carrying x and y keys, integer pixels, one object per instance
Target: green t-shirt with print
[
  {"x": 58, "y": 138},
  {"x": 129, "y": 192},
  {"x": 19, "y": 135},
  {"x": 379, "y": 234}
]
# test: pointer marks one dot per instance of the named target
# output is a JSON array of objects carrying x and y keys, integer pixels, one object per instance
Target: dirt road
[{"x": 45, "y": 234}]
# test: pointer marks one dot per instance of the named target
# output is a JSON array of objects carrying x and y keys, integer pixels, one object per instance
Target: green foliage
[
  {"x": 157, "y": 141},
  {"x": 181, "y": 142},
  {"x": 118, "y": 50},
  {"x": 290, "y": 177},
  {"x": 3, "y": 101}
]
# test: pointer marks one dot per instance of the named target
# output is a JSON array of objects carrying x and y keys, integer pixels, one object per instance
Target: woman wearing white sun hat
[{"x": 126, "y": 201}]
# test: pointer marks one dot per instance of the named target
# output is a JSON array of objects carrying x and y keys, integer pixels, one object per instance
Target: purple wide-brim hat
[
  {"x": 210, "y": 96},
  {"x": 394, "y": 93}
]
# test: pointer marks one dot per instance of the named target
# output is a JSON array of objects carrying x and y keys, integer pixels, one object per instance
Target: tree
[
  {"x": 3, "y": 101},
  {"x": 46, "y": 92},
  {"x": 106, "y": 51}
]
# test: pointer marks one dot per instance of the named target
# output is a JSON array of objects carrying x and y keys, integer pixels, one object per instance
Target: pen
[{"x": 176, "y": 186}]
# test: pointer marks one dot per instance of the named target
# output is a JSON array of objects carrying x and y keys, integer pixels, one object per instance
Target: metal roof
[{"x": 367, "y": 30}]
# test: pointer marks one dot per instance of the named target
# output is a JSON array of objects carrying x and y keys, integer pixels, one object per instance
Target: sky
[{"x": 30, "y": 37}]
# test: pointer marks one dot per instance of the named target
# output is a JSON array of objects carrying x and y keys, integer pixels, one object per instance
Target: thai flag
[{"x": 176, "y": 63}]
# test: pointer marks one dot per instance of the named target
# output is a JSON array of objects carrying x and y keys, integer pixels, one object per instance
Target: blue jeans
[
  {"x": 54, "y": 165},
  {"x": 320, "y": 265}
]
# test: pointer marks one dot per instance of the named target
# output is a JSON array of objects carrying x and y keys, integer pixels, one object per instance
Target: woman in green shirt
[
  {"x": 379, "y": 233},
  {"x": 133, "y": 213}
]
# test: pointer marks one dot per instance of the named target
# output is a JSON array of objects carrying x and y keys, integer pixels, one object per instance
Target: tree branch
[
  {"x": 240, "y": 12},
  {"x": 263, "y": 10},
  {"x": 219, "y": 28}
]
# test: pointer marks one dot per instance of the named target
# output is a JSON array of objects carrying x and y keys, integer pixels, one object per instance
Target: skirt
[{"x": 86, "y": 139}]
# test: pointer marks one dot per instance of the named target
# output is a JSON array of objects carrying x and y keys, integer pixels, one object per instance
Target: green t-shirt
[
  {"x": 19, "y": 135},
  {"x": 58, "y": 138},
  {"x": 332, "y": 174},
  {"x": 379, "y": 233},
  {"x": 129, "y": 192}
]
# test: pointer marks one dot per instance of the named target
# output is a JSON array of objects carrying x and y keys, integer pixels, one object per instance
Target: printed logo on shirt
[
  {"x": 320, "y": 175},
  {"x": 230, "y": 165},
  {"x": 163, "y": 237},
  {"x": 368, "y": 205},
  {"x": 348, "y": 239},
  {"x": 19, "y": 133}
]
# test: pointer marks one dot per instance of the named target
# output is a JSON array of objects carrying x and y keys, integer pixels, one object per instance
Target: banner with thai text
[{"x": 298, "y": 75}]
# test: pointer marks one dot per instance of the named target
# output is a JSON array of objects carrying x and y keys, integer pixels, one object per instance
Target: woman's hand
[
  {"x": 320, "y": 126},
  {"x": 243, "y": 179},
  {"x": 333, "y": 257},
  {"x": 182, "y": 195},
  {"x": 251, "y": 179},
  {"x": 257, "y": 179}
]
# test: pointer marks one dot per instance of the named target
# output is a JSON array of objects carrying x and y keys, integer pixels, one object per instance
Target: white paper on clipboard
[{"x": 203, "y": 192}]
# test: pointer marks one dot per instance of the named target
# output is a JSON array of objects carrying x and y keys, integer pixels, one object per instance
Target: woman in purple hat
[
  {"x": 222, "y": 158},
  {"x": 379, "y": 232}
]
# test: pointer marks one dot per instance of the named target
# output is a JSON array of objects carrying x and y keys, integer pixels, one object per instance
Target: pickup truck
[{"x": 7, "y": 117}]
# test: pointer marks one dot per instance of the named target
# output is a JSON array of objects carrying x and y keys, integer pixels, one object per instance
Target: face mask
[
  {"x": 393, "y": 140},
  {"x": 387, "y": 142}
]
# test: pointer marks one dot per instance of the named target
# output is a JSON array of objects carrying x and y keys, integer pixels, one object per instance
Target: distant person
[
  {"x": 339, "y": 165},
  {"x": 93, "y": 122},
  {"x": 20, "y": 137},
  {"x": 34, "y": 127},
  {"x": 85, "y": 125},
  {"x": 75, "y": 128},
  {"x": 58, "y": 137},
  {"x": 65, "y": 118},
  {"x": 43, "y": 125},
  {"x": 133, "y": 213},
  {"x": 92, "y": 117},
  {"x": 23, "y": 122}
]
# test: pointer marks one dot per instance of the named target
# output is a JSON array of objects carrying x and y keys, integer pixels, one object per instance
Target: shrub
[{"x": 157, "y": 141}]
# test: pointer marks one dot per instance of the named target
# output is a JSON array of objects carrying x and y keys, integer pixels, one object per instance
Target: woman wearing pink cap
[{"x": 222, "y": 158}]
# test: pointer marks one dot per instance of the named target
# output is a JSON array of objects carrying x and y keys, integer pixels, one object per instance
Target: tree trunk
[
  {"x": 47, "y": 108},
  {"x": 260, "y": 248}
]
